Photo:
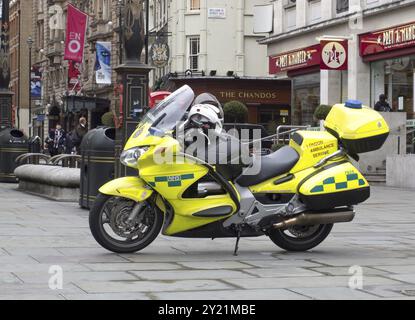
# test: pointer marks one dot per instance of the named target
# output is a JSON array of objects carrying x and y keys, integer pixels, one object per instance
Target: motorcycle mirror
[{"x": 157, "y": 132}]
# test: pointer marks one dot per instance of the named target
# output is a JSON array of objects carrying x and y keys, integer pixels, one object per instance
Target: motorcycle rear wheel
[
  {"x": 300, "y": 238},
  {"x": 125, "y": 238}
]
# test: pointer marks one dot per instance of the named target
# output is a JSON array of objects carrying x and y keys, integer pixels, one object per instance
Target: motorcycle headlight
[{"x": 130, "y": 157}]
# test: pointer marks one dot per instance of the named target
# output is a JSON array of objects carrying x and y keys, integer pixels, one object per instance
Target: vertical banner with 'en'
[
  {"x": 103, "y": 63},
  {"x": 75, "y": 34}
]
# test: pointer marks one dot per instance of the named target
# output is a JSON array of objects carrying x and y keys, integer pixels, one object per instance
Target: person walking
[
  {"x": 56, "y": 141},
  {"x": 79, "y": 133},
  {"x": 382, "y": 105}
]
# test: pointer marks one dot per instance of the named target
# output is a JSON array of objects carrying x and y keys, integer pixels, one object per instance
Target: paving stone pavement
[{"x": 36, "y": 234}]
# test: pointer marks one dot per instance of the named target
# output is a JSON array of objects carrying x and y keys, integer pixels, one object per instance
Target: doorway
[
  {"x": 306, "y": 98},
  {"x": 273, "y": 116}
]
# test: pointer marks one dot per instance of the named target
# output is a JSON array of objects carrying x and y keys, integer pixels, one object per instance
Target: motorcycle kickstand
[{"x": 238, "y": 237}]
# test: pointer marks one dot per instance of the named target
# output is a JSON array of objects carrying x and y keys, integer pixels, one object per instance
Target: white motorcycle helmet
[
  {"x": 207, "y": 117},
  {"x": 207, "y": 98}
]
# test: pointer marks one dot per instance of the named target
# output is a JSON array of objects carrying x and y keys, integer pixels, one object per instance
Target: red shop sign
[
  {"x": 298, "y": 59},
  {"x": 334, "y": 54},
  {"x": 394, "y": 38}
]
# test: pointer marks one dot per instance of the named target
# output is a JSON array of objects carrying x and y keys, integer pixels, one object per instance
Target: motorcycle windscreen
[{"x": 163, "y": 118}]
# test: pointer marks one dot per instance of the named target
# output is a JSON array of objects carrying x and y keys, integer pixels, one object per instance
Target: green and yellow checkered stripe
[
  {"x": 331, "y": 185},
  {"x": 172, "y": 181}
]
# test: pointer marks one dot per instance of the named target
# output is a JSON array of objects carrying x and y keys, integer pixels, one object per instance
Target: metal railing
[
  {"x": 64, "y": 160},
  {"x": 286, "y": 135},
  {"x": 32, "y": 158},
  {"x": 314, "y": 129}
]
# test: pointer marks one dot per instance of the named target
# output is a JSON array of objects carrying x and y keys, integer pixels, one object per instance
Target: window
[
  {"x": 372, "y": 3},
  {"x": 99, "y": 9},
  {"x": 40, "y": 6},
  {"x": 272, "y": 117},
  {"x": 153, "y": 16},
  {"x": 306, "y": 90},
  {"x": 40, "y": 34},
  {"x": 342, "y": 6},
  {"x": 194, "y": 5},
  {"x": 194, "y": 50},
  {"x": 160, "y": 4},
  {"x": 290, "y": 18},
  {"x": 106, "y": 10},
  {"x": 395, "y": 78},
  {"x": 13, "y": 61},
  {"x": 85, "y": 69},
  {"x": 314, "y": 12}
]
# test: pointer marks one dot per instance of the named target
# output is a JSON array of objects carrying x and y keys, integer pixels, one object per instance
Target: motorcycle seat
[{"x": 272, "y": 165}]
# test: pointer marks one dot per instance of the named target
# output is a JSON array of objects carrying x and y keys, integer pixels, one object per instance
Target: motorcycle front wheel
[
  {"x": 114, "y": 228},
  {"x": 300, "y": 238}
]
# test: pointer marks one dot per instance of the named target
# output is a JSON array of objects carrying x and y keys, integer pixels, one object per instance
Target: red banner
[
  {"x": 298, "y": 59},
  {"x": 394, "y": 38},
  {"x": 74, "y": 77},
  {"x": 75, "y": 34},
  {"x": 334, "y": 55}
]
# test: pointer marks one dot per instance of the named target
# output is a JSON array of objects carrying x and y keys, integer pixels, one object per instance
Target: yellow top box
[{"x": 359, "y": 128}]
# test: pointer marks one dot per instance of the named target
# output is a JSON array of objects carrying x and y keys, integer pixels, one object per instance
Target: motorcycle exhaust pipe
[{"x": 311, "y": 219}]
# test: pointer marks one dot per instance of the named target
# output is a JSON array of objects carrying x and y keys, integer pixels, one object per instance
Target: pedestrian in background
[
  {"x": 79, "y": 133},
  {"x": 382, "y": 105},
  {"x": 56, "y": 141}
]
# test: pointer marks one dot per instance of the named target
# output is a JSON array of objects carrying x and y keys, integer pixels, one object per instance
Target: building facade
[
  {"x": 213, "y": 48},
  {"x": 20, "y": 31},
  {"x": 70, "y": 91},
  {"x": 381, "y": 52},
  {"x": 216, "y": 36},
  {"x": 159, "y": 46},
  {"x": 187, "y": 39}
]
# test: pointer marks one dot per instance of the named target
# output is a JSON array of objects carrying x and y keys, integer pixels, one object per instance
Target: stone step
[
  {"x": 377, "y": 183},
  {"x": 376, "y": 177}
]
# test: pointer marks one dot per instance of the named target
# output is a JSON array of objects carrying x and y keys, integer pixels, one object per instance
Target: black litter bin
[
  {"x": 13, "y": 143},
  {"x": 35, "y": 144},
  {"x": 97, "y": 164}
]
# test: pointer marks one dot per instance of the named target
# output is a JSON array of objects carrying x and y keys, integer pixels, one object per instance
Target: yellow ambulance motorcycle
[{"x": 300, "y": 191}]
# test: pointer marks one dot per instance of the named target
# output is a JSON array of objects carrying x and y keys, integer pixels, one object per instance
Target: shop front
[
  {"x": 306, "y": 97},
  {"x": 302, "y": 66},
  {"x": 319, "y": 75},
  {"x": 87, "y": 107},
  {"x": 391, "y": 55},
  {"x": 268, "y": 100}
]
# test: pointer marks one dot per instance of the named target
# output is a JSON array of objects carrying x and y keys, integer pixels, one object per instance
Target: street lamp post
[
  {"x": 147, "y": 3},
  {"x": 5, "y": 93},
  {"x": 132, "y": 73},
  {"x": 30, "y": 45}
]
